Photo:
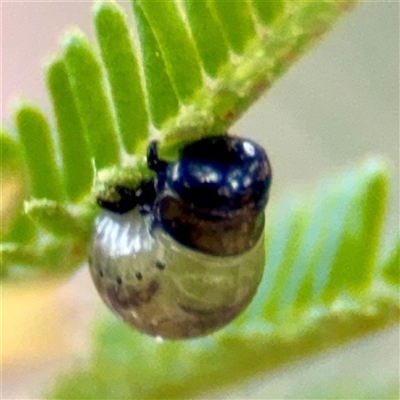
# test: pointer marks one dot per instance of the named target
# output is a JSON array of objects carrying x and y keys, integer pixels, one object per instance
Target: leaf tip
[
  {"x": 74, "y": 38},
  {"x": 105, "y": 6},
  {"x": 51, "y": 60},
  {"x": 24, "y": 109},
  {"x": 376, "y": 166}
]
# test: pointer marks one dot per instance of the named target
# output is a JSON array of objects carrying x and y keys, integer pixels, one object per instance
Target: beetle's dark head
[
  {"x": 221, "y": 174},
  {"x": 213, "y": 197}
]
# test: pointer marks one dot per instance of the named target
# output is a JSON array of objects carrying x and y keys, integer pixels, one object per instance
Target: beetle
[{"x": 184, "y": 254}]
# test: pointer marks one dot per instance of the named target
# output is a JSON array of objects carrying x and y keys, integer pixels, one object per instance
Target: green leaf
[
  {"x": 48, "y": 257},
  {"x": 391, "y": 266},
  {"x": 58, "y": 219},
  {"x": 356, "y": 257},
  {"x": 35, "y": 138},
  {"x": 213, "y": 53},
  {"x": 268, "y": 10},
  {"x": 162, "y": 99},
  {"x": 77, "y": 167},
  {"x": 288, "y": 232},
  {"x": 348, "y": 264},
  {"x": 176, "y": 47},
  {"x": 23, "y": 231},
  {"x": 123, "y": 74},
  {"x": 87, "y": 82},
  {"x": 14, "y": 183},
  {"x": 237, "y": 23},
  {"x": 11, "y": 157},
  {"x": 246, "y": 77}
]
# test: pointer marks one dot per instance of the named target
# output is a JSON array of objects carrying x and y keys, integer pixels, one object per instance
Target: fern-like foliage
[
  {"x": 323, "y": 285},
  {"x": 192, "y": 70},
  {"x": 195, "y": 68}
]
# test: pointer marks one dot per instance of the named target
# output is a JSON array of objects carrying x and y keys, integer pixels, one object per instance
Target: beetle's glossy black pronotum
[
  {"x": 213, "y": 197},
  {"x": 184, "y": 255}
]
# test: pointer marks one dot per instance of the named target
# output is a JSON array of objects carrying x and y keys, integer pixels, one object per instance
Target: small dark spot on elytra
[
  {"x": 119, "y": 280},
  {"x": 90, "y": 260},
  {"x": 160, "y": 265},
  {"x": 139, "y": 276},
  {"x": 101, "y": 273}
]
